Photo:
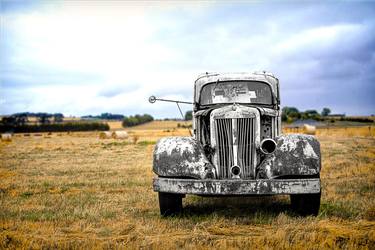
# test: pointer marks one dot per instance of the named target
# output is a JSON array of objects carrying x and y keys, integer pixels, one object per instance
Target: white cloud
[
  {"x": 114, "y": 42},
  {"x": 318, "y": 38},
  {"x": 93, "y": 57},
  {"x": 86, "y": 40}
]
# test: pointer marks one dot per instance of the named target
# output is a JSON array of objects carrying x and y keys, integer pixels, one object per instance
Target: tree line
[
  {"x": 130, "y": 121},
  {"x": 105, "y": 116},
  {"x": 55, "y": 127},
  {"x": 46, "y": 122},
  {"x": 19, "y": 119},
  {"x": 290, "y": 114}
]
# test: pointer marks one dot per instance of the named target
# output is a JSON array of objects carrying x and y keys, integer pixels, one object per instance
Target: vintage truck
[{"x": 237, "y": 148}]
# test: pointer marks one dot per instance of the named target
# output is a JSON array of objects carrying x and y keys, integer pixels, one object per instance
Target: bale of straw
[
  {"x": 6, "y": 137},
  {"x": 120, "y": 135},
  {"x": 105, "y": 135},
  {"x": 309, "y": 129}
]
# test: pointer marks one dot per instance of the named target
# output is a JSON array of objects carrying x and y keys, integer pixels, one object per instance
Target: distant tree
[
  {"x": 290, "y": 114},
  {"x": 21, "y": 119},
  {"x": 43, "y": 118},
  {"x": 136, "y": 120},
  {"x": 109, "y": 116},
  {"x": 284, "y": 117},
  {"x": 8, "y": 120},
  {"x": 58, "y": 117},
  {"x": 148, "y": 118},
  {"x": 310, "y": 114},
  {"x": 326, "y": 111},
  {"x": 105, "y": 116},
  {"x": 15, "y": 120},
  {"x": 189, "y": 115}
]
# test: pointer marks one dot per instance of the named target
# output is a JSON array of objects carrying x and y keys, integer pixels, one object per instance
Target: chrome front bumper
[{"x": 236, "y": 187}]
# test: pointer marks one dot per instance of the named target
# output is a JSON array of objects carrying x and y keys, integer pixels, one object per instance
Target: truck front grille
[{"x": 235, "y": 145}]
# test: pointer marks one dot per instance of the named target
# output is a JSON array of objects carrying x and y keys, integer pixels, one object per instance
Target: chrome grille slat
[
  {"x": 224, "y": 154},
  {"x": 252, "y": 143},
  {"x": 229, "y": 146},
  {"x": 245, "y": 135},
  {"x": 241, "y": 139}
]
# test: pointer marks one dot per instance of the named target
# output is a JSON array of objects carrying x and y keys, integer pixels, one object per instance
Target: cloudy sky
[{"x": 91, "y": 57}]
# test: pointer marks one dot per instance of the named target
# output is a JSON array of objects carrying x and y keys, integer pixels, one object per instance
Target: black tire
[
  {"x": 305, "y": 204},
  {"x": 170, "y": 204}
]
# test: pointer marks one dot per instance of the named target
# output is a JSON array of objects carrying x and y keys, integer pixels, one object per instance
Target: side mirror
[{"x": 152, "y": 99}]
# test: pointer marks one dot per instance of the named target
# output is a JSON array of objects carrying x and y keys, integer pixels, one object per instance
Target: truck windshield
[{"x": 236, "y": 91}]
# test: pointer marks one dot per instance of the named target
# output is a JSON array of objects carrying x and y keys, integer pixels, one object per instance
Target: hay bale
[
  {"x": 309, "y": 129},
  {"x": 105, "y": 135},
  {"x": 6, "y": 137},
  {"x": 120, "y": 135}
]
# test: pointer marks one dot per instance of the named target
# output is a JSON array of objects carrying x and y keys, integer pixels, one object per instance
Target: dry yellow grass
[
  {"x": 362, "y": 131},
  {"x": 160, "y": 125},
  {"x": 115, "y": 125},
  {"x": 152, "y": 131},
  {"x": 77, "y": 191}
]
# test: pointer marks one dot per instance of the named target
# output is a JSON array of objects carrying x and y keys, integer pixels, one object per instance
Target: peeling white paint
[
  {"x": 308, "y": 151},
  {"x": 268, "y": 171},
  {"x": 289, "y": 143},
  {"x": 196, "y": 167},
  {"x": 228, "y": 187},
  {"x": 296, "y": 155},
  {"x": 169, "y": 144},
  {"x": 181, "y": 156}
]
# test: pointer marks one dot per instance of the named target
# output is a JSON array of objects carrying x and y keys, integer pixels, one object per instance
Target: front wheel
[
  {"x": 170, "y": 204},
  {"x": 305, "y": 204}
]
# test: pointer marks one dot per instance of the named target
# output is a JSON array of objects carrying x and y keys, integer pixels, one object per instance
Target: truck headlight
[{"x": 268, "y": 146}]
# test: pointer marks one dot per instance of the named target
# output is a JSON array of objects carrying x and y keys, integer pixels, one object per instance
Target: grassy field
[
  {"x": 78, "y": 191},
  {"x": 154, "y": 125}
]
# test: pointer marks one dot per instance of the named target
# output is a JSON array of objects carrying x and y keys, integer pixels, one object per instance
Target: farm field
[
  {"x": 78, "y": 191},
  {"x": 154, "y": 125}
]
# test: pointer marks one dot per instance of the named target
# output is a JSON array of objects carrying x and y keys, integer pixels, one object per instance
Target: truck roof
[{"x": 261, "y": 76}]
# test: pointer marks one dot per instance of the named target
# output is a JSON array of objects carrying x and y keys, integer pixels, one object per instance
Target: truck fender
[
  {"x": 295, "y": 155},
  {"x": 181, "y": 157}
]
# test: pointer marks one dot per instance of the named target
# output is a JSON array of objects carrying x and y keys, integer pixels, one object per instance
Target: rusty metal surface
[
  {"x": 236, "y": 187},
  {"x": 181, "y": 157},
  {"x": 296, "y": 154}
]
